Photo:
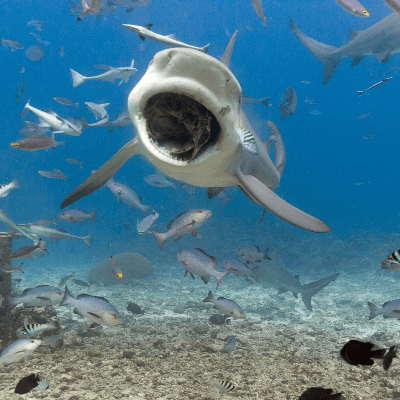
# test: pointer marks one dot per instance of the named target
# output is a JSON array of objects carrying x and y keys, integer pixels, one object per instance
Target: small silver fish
[
  {"x": 187, "y": 222},
  {"x": 259, "y": 10},
  {"x": 253, "y": 254},
  {"x": 56, "y": 173},
  {"x": 79, "y": 282},
  {"x": 228, "y": 307},
  {"x": 386, "y": 80},
  {"x": 368, "y": 136},
  {"x": 39, "y": 296},
  {"x": 65, "y": 102},
  {"x": 198, "y": 262},
  {"x": 247, "y": 139},
  {"x": 62, "y": 52},
  {"x": 74, "y": 215},
  {"x": 73, "y": 161},
  {"x": 145, "y": 224},
  {"x": 162, "y": 181},
  {"x": 363, "y": 116},
  {"x": 25, "y": 250},
  {"x": 64, "y": 280},
  {"x": 43, "y": 222},
  {"x": 14, "y": 44},
  {"x": 9, "y": 269},
  {"x": 5, "y": 189},
  {"x": 98, "y": 110}
]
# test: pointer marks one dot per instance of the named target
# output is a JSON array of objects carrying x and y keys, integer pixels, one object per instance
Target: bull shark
[
  {"x": 184, "y": 109},
  {"x": 381, "y": 40},
  {"x": 272, "y": 275}
]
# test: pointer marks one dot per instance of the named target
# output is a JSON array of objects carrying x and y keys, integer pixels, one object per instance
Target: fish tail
[
  {"x": 87, "y": 240},
  {"x": 110, "y": 126},
  {"x": 205, "y": 48},
  {"x": 284, "y": 110},
  {"x": 145, "y": 209},
  {"x": 67, "y": 297},
  {"x": 161, "y": 238},
  {"x": 20, "y": 268},
  {"x": 14, "y": 184},
  {"x": 210, "y": 298},
  {"x": 360, "y": 92},
  {"x": 264, "y": 101},
  {"x": 76, "y": 105},
  {"x": 374, "y": 310},
  {"x": 380, "y": 353},
  {"x": 266, "y": 256},
  {"x": 222, "y": 276},
  {"x": 54, "y": 325},
  {"x": 254, "y": 273},
  {"x": 92, "y": 216},
  {"x": 12, "y": 301},
  {"x": 313, "y": 288},
  {"x": 328, "y": 55},
  {"x": 77, "y": 78}
]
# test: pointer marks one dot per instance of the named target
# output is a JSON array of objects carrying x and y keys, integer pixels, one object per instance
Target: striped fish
[
  {"x": 34, "y": 328},
  {"x": 247, "y": 139},
  {"x": 224, "y": 387},
  {"x": 392, "y": 261}
]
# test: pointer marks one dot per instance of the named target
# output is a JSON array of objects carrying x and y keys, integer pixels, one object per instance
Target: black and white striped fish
[
  {"x": 392, "y": 261},
  {"x": 34, "y": 328},
  {"x": 224, "y": 387},
  {"x": 247, "y": 139}
]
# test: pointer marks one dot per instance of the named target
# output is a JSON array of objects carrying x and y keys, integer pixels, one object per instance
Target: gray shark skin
[
  {"x": 207, "y": 153},
  {"x": 381, "y": 40},
  {"x": 272, "y": 275}
]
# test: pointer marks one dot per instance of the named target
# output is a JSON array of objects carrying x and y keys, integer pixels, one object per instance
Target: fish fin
[
  {"x": 213, "y": 191},
  {"x": 104, "y": 173},
  {"x": 356, "y": 60},
  {"x": 192, "y": 276},
  {"x": 171, "y": 36},
  {"x": 67, "y": 296},
  {"x": 77, "y": 78},
  {"x": 77, "y": 312},
  {"x": 328, "y": 55},
  {"x": 148, "y": 26},
  {"x": 185, "y": 274},
  {"x": 272, "y": 202},
  {"x": 209, "y": 298},
  {"x": 206, "y": 280},
  {"x": 384, "y": 56},
  {"x": 313, "y": 288},
  {"x": 142, "y": 37},
  {"x": 194, "y": 232},
  {"x": 161, "y": 238},
  {"x": 94, "y": 315},
  {"x": 353, "y": 33},
  {"x": 374, "y": 310},
  {"x": 43, "y": 298},
  {"x": 129, "y": 10}
]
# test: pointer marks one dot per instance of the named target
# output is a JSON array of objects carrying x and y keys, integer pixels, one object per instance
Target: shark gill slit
[{"x": 179, "y": 126}]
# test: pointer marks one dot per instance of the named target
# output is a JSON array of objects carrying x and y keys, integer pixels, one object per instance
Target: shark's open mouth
[{"x": 179, "y": 126}]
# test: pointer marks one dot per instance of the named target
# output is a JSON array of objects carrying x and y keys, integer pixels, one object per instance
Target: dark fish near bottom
[
  {"x": 319, "y": 393},
  {"x": 25, "y": 385},
  {"x": 357, "y": 353},
  {"x": 387, "y": 361}
]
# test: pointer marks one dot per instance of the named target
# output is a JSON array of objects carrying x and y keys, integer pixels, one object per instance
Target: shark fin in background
[
  {"x": 103, "y": 174},
  {"x": 313, "y": 288},
  {"x": 263, "y": 195},
  {"x": 328, "y": 55},
  {"x": 226, "y": 58}
]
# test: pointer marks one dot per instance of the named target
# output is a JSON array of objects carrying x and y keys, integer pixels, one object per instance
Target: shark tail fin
[
  {"x": 328, "y": 55},
  {"x": 313, "y": 288},
  {"x": 360, "y": 92},
  {"x": 264, "y": 101},
  {"x": 205, "y": 48},
  {"x": 77, "y": 78}
]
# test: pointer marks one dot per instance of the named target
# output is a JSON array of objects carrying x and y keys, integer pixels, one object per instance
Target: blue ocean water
[{"x": 331, "y": 172}]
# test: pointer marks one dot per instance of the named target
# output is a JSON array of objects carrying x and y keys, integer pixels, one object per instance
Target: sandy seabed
[{"x": 168, "y": 353}]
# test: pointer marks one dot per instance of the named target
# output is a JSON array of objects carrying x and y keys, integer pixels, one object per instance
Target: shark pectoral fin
[
  {"x": 104, "y": 173},
  {"x": 213, "y": 191},
  {"x": 384, "y": 56},
  {"x": 356, "y": 60},
  {"x": 273, "y": 203},
  {"x": 313, "y": 288}
]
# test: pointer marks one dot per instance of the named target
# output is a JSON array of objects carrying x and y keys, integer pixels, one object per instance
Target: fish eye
[
  {"x": 32, "y": 341},
  {"x": 365, "y": 12},
  {"x": 59, "y": 292},
  {"x": 115, "y": 316}
]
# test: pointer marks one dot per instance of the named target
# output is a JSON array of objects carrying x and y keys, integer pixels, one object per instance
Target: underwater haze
[{"x": 159, "y": 276}]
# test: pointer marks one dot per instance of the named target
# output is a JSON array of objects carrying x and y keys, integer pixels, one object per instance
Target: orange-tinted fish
[{"x": 116, "y": 271}]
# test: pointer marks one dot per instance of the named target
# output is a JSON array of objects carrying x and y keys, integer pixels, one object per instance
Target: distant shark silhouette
[
  {"x": 184, "y": 110},
  {"x": 270, "y": 274},
  {"x": 381, "y": 40}
]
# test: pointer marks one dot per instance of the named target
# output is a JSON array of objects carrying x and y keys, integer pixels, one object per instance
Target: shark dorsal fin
[
  {"x": 353, "y": 33},
  {"x": 172, "y": 36},
  {"x": 148, "y": 26}
]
